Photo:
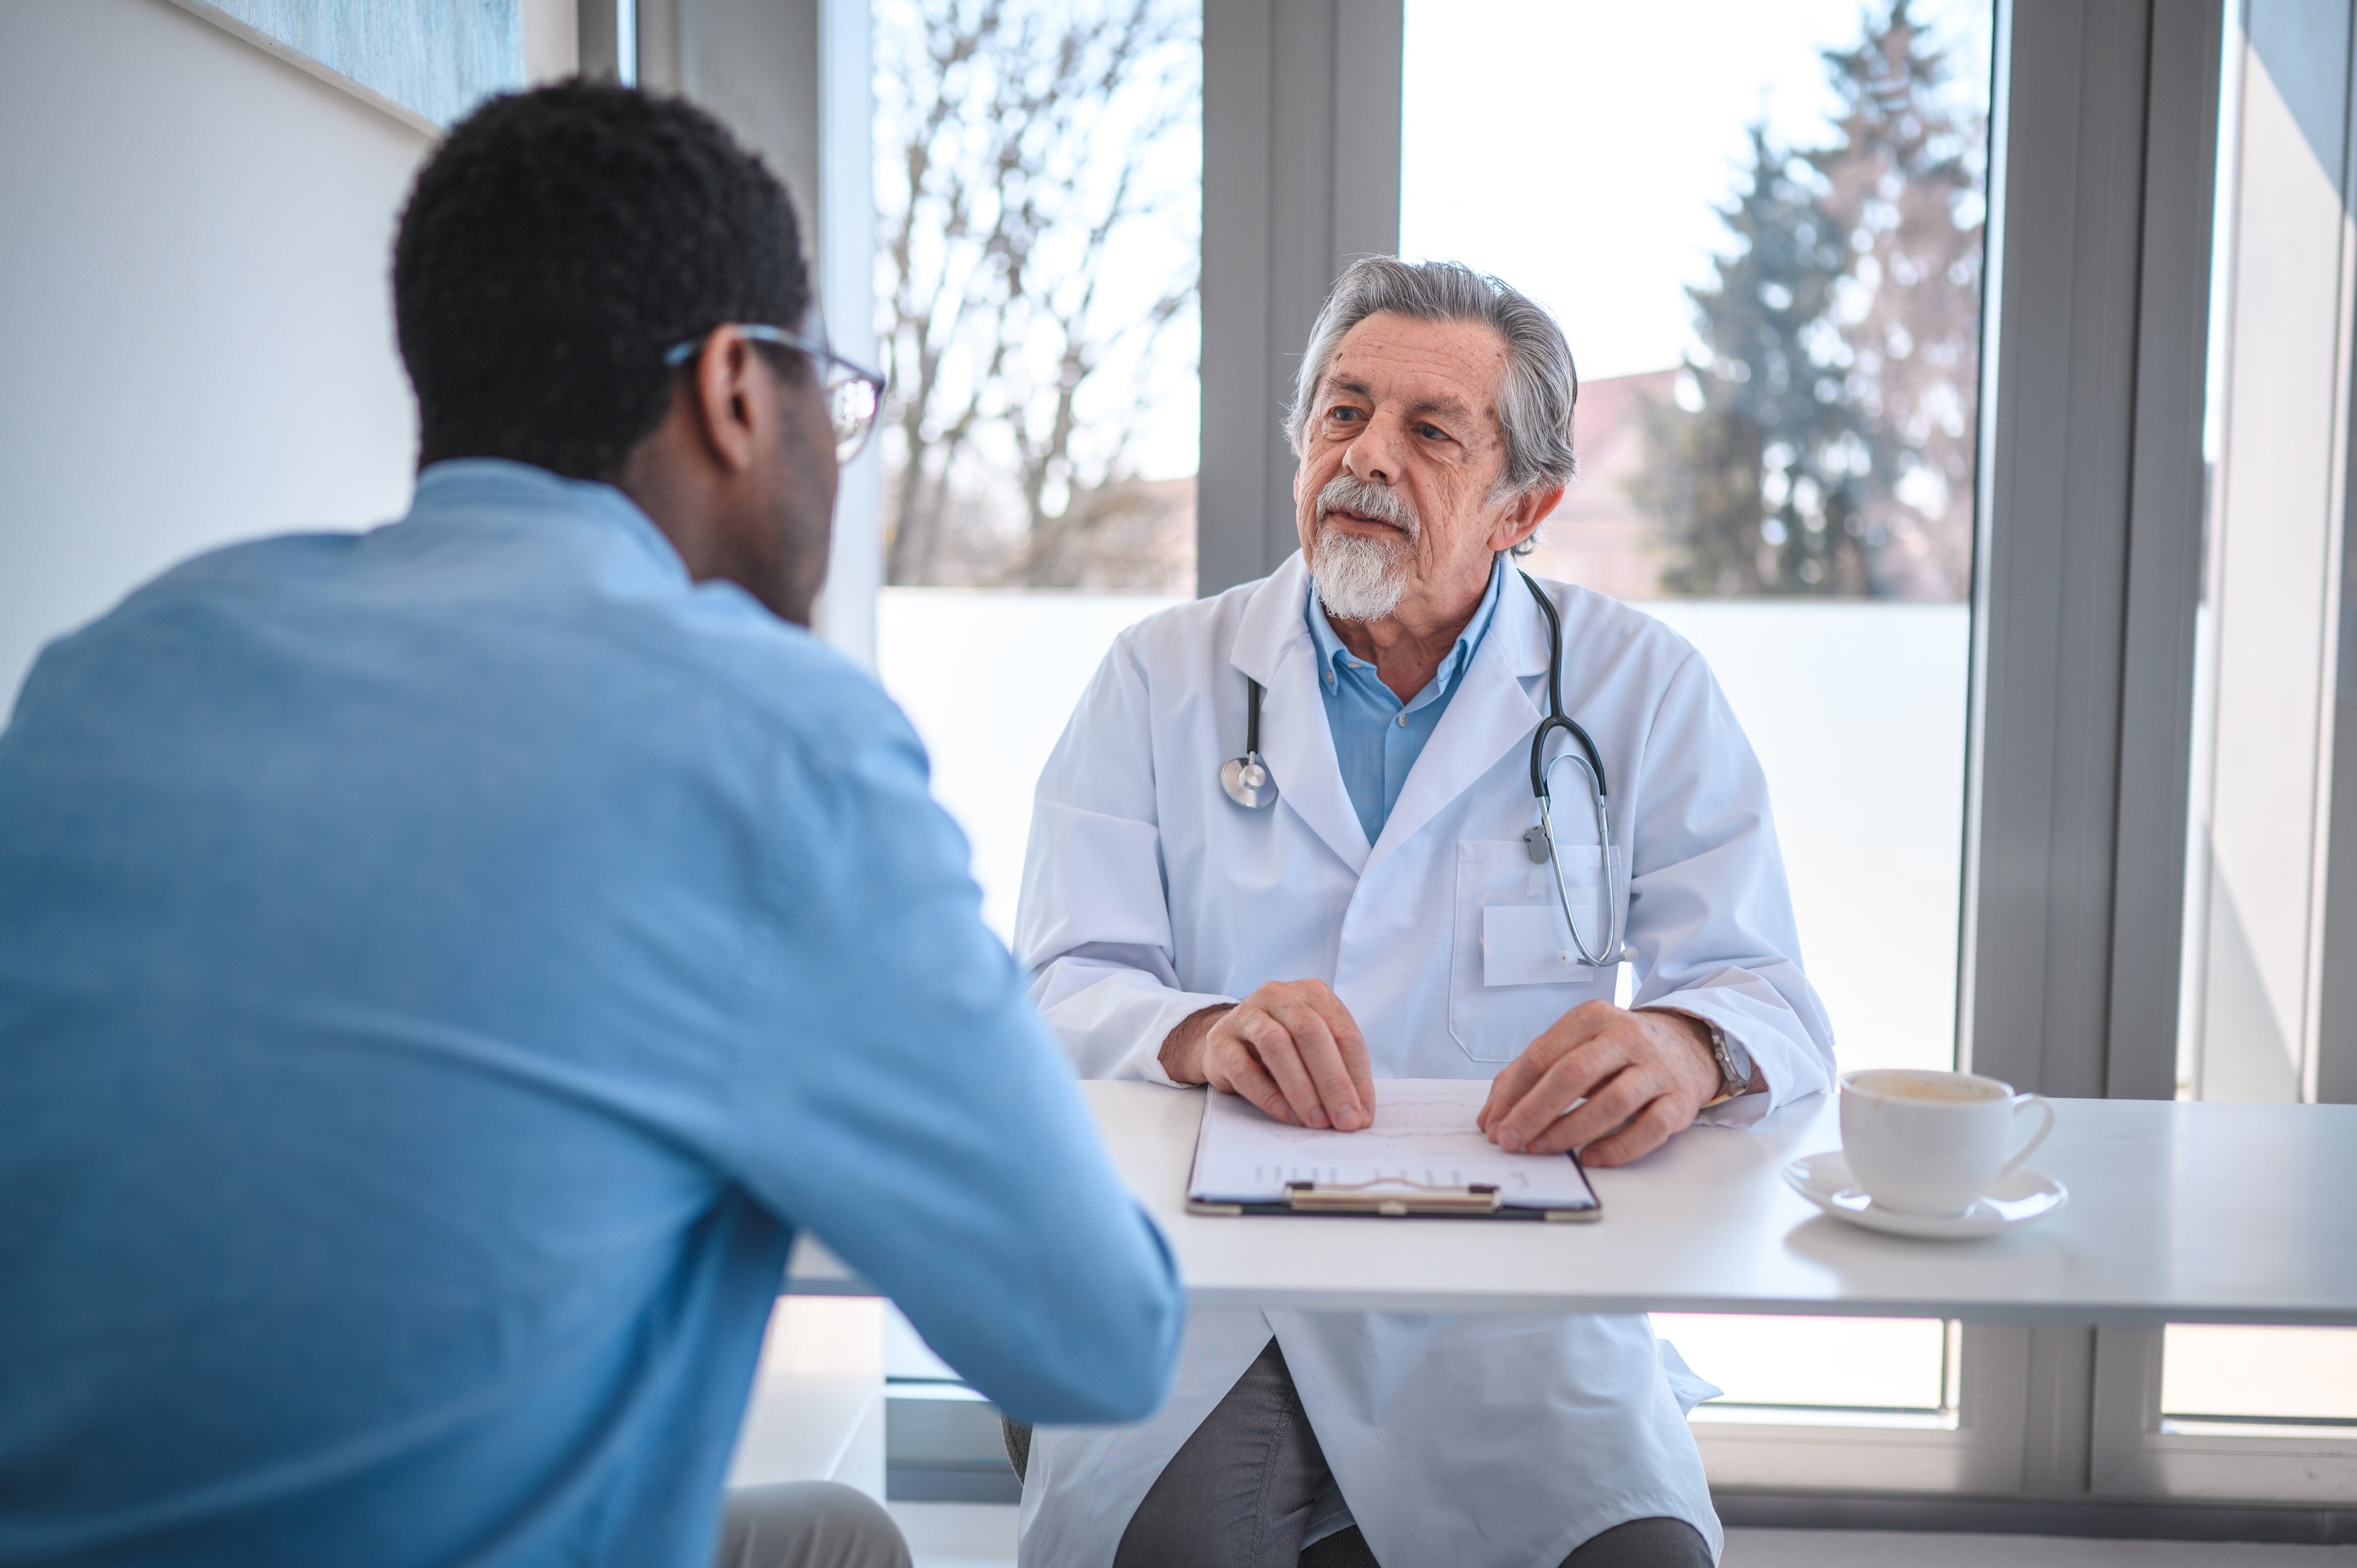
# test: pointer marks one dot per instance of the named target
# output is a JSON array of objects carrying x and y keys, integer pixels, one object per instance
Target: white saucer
[{"x": 2022, "y": 1198}]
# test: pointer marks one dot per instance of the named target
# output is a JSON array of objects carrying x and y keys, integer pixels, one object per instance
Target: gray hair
[{"x": 1534, "y": 407}]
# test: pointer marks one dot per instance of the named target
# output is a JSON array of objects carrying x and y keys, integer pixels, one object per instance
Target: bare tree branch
[{"x": 1031, "y": 141}]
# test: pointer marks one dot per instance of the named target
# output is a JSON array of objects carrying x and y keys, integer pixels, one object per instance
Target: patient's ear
[{"x": 725, "y": 390}]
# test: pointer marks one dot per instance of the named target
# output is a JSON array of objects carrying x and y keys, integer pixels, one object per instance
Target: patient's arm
[
  {"x": 900, "y": 1100},
  {"x": 1093, "y": 923}
]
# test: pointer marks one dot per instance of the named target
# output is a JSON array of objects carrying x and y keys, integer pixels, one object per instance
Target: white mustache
[
  {"x": 1380, "y": 502},
  {"x": 1360, "y": 578}
]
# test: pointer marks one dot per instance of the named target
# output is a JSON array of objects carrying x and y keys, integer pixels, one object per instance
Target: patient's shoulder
[{"x": 728, "y": 652}]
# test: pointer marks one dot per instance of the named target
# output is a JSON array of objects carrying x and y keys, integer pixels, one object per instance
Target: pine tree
[
  {"x": 1831, "y": 452},
  {"x": 1902, "y": 180},
  {"x": 1752, "y": 487}
]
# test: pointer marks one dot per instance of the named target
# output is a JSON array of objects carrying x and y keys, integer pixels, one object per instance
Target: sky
[{"x": 1576, "y": 148}]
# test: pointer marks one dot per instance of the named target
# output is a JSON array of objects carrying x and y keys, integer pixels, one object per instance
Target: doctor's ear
[{"x": 1522, "y": 518}]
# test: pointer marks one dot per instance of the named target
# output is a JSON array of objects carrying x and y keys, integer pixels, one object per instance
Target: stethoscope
[{"x": 1246, "y": 780}]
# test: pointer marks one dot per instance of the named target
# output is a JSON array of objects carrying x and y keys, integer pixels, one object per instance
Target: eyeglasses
[{"x": 853, "y": 392}]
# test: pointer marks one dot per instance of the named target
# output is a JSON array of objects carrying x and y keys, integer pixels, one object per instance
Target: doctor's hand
[
  {"x": 1640, "y": 1077},
  {"x": 1290, "y": 1047}
]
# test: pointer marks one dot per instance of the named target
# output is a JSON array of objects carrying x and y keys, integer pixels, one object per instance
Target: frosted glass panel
[
  {"x": 2226, "y": 1372},
  {"x": 1847, "y": 1363},
  {"x": 1761, "y": 228}
]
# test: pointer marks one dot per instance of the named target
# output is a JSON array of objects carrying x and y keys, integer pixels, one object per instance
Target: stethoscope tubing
[
  {"x": 1247, "y": 781},
  {"x": 1592, "y": 762},
  {"x": 1245, "y": 778}
]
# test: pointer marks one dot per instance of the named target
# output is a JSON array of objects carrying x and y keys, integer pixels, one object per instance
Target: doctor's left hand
[{"x": 1639, "y": 1077}]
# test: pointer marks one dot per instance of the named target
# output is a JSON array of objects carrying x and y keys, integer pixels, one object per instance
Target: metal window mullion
[
  {"x": 2052, "y": 574},
  {"x": 2165, "y": 551},
  {"x": 1301, "y": 145},
  {"x": 2331, "y": 1065},
  {"x": 2087, "y": 591}
]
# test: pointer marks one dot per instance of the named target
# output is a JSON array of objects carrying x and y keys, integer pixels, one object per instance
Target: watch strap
[{"x": 1734, "y": 1063}]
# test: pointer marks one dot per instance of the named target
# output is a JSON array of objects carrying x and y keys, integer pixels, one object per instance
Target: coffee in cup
[{"x": 1934, "y": 1142}]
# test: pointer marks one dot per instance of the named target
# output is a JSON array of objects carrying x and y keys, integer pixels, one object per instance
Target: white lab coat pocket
[
  {"x": 1513, "y": 970},
  {"x": 1523, "y": 944}
]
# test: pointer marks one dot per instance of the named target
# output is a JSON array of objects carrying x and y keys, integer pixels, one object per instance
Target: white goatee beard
[{"x": 1359, "y": 578}]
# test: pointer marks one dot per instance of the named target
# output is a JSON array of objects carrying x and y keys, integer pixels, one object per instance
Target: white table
[{"x": 2178, "y": 1213}]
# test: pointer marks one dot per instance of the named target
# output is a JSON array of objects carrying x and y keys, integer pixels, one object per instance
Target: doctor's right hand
[{"x": 1290, "y": 1047}]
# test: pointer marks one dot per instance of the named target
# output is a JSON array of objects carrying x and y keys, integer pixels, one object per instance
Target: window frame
[
  {"x": 2138, "y": 1453},
  {"x": 2103, "y": 137}
]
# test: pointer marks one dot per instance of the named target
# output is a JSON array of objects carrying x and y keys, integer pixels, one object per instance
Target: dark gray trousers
[
  {"x": 1242, "y": 1490},
  {"x": 807, "y": 1524}
]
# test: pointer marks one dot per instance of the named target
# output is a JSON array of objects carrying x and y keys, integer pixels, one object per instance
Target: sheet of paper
[{"x": 1424, "y": 1137}]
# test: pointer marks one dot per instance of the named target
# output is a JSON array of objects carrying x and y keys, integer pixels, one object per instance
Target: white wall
[{"x": 195, "y": 331}]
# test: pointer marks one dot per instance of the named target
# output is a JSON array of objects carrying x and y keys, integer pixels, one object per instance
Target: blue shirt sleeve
[{"x": 902, "y": 1100}]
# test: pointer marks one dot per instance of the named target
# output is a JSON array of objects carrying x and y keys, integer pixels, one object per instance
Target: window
[
  {"x": 1037, "y": 169},
  {"x": 1700, "y": 202},
  {"x": 1038, "y": 186},
  {"x": 2260, "y": 1019},
  {"x": 1761, "y": 227}
]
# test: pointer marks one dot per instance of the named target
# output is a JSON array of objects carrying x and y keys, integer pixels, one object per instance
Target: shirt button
[
  {"x": 1403, "y": 721},
  {"x": 1563, "y": 958}
]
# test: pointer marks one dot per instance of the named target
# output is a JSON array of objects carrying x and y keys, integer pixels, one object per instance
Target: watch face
[{"x": 1735, "y": 1063}]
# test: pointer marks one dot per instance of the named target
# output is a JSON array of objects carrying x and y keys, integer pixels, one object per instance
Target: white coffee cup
[{"x": 1934, "y": 1142}]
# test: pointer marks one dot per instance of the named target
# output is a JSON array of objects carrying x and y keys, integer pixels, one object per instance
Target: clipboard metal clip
[{"x": 1384, "y": 1196}]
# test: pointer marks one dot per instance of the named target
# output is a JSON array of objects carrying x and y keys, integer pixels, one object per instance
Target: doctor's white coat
[{"x": 1468, "y": 1440}]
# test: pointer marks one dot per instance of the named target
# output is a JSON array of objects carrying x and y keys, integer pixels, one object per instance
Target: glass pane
[
  {"x": 1774, "y": 294},
  {"x": 2252, "y": 1023},
  {"x": 1039, "y": 180},
  {"x": 2250, "y": 1026},
  {"x": 1039, "y": 184},
  {"x": 1893, "y": 1364},
  {"x": 2229, "y": 1373}
]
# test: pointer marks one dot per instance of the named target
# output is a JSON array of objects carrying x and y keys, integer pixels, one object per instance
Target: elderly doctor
[{"x": 1384, "y": 916}]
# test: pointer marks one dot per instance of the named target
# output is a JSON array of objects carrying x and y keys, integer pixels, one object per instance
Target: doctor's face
[{"x": 1401, "y": 453}]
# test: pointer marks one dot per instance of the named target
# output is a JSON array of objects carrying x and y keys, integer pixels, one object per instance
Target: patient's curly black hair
[{"x": 555, "y": 246}]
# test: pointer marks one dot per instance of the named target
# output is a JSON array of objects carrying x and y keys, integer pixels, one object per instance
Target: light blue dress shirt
[
  {"x": 1377, "y": 738},
  {"x": 440, "y": 971}
]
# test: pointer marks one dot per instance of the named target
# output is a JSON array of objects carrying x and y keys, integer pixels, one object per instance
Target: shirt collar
[
  {"x": 1332, "y": 655},
  {"x": 459, "y": 485}
]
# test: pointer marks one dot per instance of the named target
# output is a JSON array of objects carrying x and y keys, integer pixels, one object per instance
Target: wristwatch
[{"x": 1734, "y": 1063}]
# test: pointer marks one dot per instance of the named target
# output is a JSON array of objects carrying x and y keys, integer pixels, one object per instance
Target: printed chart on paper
[{"x": 1424, "y": 1137}]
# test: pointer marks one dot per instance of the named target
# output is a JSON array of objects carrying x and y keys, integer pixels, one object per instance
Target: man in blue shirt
[{"x": 442, "y": 968}]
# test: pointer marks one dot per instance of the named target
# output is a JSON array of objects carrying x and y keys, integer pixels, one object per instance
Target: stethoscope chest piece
[
  {"x": 1245, "y": 777},
  {"x": 1246, "y": 780}
]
